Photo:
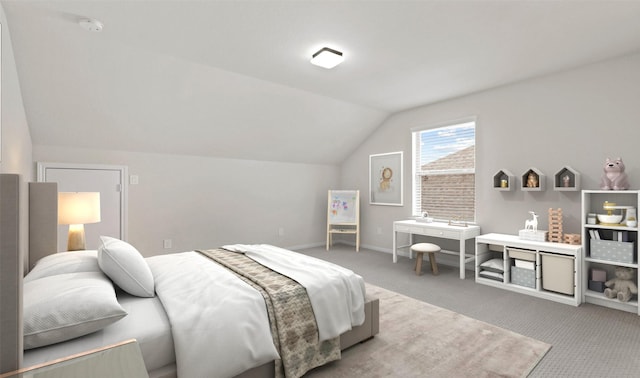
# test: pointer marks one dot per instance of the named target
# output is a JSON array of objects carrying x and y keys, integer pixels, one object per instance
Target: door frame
[{"x": 124, "y": 188}]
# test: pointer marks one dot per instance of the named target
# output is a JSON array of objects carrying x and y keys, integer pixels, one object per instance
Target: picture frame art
[{"x": 385, "y": 179}]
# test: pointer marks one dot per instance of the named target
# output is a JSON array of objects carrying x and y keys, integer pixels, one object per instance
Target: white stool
[{"x": 420, "y": 249}]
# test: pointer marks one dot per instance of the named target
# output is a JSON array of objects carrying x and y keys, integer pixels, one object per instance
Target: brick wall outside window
[{"x": 450, "y": 195}]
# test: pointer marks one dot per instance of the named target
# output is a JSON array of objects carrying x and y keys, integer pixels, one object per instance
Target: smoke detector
[{"x": 91, "y": 24}]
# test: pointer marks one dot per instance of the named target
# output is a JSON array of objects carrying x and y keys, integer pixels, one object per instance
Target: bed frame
[
  {"x": 357, "y": 335},
  {"x": 10, "y": 274},
  {"x": 43, "y": 219},
  {"x": 43, "y": 238}
]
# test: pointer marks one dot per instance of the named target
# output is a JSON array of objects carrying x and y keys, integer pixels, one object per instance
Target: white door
[{"x": 108, "y": 180}]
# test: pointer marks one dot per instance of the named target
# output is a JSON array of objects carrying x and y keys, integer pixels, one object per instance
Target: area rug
[{"x": 417, "y": 339}]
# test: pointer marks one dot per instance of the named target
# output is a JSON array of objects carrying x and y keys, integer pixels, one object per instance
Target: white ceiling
[{"x": 232, "y": 78}]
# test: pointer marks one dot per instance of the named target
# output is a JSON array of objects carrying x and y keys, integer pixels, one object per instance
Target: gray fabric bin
[
  {"x": 612, "y": 250},
  {"x": 523, "y": 277}
]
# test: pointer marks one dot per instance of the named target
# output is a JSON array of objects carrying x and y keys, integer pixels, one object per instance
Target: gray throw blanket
[{"x": 293, "y": 325}]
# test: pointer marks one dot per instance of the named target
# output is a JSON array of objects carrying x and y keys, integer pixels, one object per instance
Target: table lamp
[{"x": 76, "y": 209}]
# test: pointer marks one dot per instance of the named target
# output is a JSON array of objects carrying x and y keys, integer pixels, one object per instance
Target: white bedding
[
  {"x": 146, "y": 322},
  {"x": 201, "y": 299},
  {"x": 187, "y": 323},
  {"x": 337, "y": 294}
]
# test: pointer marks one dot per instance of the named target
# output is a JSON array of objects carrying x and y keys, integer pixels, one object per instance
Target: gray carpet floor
[{"x": 587, "y": 341}]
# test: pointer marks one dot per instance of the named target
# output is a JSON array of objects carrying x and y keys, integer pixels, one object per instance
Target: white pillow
[
  {"x": 126, "y": 267},
  {"x": 64, "y": 262},
  {"x": 493, "y": 265},
  {"x": 65, "y": 306}
]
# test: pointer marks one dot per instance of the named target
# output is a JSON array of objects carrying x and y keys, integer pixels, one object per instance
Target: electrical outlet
[
  {"x": 281, "y": 231},
  {"x": 167, "y": 243},
  {"x": 379, "y": 230}
]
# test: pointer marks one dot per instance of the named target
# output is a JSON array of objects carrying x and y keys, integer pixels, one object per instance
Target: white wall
[
  {"x": 16, "y": 139},
  {"x": 201, "y": 202},
  {"x": 576, "y": 118},
  {"x": 197, "y": 202}
]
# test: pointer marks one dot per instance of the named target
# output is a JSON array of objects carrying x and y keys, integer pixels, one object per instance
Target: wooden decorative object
[
  {"x": 533, "y": 180},
  {"x": 573, "y": 239},
  {"x": 555, "y": 225}
]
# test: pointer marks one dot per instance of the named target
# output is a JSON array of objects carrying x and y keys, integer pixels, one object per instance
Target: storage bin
[
  {"x": 525, "y": 264},
  {"x": 521, "y": 254},
  {"x": 557, "y": 273},
  {"x": 596, "y": 286},
  {"x": 599, "y": 275},
  {"x": 523, "y": 277},
  {"x": 612, "y": 250}
]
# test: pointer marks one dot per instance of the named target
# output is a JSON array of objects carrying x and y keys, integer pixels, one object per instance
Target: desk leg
[
  {"x": 462, "y": 258},
  {"x": 410, "y": 244},
  {"x": 395, "y": 251}
]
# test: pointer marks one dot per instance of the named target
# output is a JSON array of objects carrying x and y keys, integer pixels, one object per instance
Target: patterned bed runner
[{"x": 293, "y": 325}]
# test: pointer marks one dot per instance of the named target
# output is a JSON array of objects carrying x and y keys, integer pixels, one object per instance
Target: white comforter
[
  {"x": 337, "y": 294},
  {"x": 202, "y": 300}
]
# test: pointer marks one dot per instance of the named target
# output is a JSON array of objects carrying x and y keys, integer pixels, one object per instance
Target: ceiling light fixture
[
  {"x": 327, "y": 58},
  {"x": 91, "y": 24}
]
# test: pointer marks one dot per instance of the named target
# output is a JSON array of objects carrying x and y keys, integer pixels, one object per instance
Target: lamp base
[{"x": 75, "y": 242}]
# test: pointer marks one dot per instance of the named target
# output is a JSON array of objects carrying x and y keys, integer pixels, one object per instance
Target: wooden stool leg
[
  {"x": 419, "y": 263},
  {"x": 434, "y": 265}
]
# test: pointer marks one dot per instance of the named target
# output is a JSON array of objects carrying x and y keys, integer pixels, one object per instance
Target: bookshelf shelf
[{"x": 607, "y": 246}]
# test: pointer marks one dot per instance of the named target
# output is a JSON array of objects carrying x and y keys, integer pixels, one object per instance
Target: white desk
[{"x": 436, "y": 230}]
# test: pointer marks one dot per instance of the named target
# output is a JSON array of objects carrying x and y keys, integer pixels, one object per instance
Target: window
[{"x": 444, "y": 163}]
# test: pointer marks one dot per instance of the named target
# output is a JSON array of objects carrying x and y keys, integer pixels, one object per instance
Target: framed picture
[{"x": 385, "y": 179}]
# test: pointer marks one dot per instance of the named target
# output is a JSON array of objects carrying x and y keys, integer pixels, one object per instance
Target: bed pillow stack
[
  {"x": 66, "y": 295},
  {"x": 71, "y": 294}
]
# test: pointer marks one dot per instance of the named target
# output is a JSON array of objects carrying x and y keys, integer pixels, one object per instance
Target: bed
[{"x": 236, "y": 310}]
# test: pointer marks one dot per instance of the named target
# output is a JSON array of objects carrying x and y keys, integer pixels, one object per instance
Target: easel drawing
[{"x": 343, "y": 215}]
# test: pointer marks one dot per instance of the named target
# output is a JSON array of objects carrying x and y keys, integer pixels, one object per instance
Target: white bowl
[{"x": 609, "y": 219}]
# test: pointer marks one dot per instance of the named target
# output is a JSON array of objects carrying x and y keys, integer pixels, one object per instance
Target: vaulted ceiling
[{"x": 233, "y": 78}]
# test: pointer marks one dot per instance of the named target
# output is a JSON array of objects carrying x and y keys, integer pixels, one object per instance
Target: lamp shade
[{"x": 78, "y": 207}]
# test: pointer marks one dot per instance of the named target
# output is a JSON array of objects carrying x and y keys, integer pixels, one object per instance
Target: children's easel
[{"x": 343, "y": 215}]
